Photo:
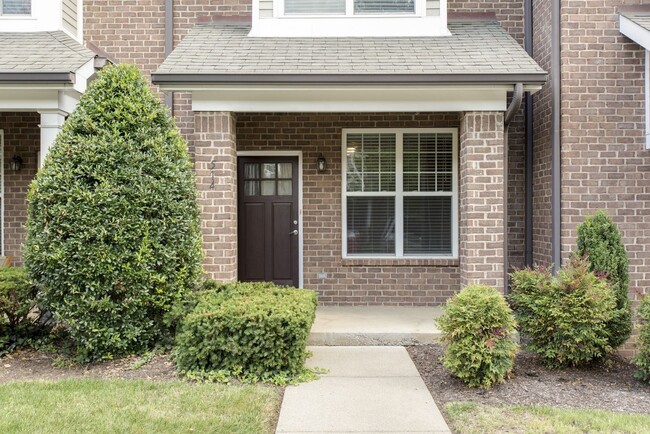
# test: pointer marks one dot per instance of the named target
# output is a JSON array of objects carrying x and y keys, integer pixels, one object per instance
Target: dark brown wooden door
[{"x": 268, "y": 219}]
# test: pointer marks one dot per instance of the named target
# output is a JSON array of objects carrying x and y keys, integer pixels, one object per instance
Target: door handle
[{"x": 294, "y": 232}]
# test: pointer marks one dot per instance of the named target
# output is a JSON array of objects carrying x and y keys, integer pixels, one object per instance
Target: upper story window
[
  {"x": 15, "y": 7},
  {"x": 348, "y": 7}
]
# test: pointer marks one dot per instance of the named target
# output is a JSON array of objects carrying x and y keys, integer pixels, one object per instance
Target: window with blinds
[
  {"x": 15, "y": 7},
  {"x": 400, "y": 194},
  {"x": 340, "y": 7}
]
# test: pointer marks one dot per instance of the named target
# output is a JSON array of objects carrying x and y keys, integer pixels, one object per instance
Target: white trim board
[
  {"x": 2, "y": 193},
  {"x": 300, "y": 195},
  {"x": 335, "y": 99}
]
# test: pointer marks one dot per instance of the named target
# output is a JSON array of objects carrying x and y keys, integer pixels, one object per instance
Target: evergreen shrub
[
  {"x": 478, "y": 328},
  {"x": 642, "y": 359},
  {"x": 21, "y": 320},
  {"x": 254, "y": 329},
  {"x": 600, "y": 241},
  {"x": 113, "y": 233},
  {"x": 565, "y": 316}
]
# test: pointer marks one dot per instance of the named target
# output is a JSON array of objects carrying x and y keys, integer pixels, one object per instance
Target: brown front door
[{"x": 268, "y": 219}]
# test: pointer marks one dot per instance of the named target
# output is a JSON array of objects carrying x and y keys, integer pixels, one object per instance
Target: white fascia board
[
  {"x": 635, "y": 32},
  {"x": 350, "y": 98},
  {"x": 46, "y": 17}
]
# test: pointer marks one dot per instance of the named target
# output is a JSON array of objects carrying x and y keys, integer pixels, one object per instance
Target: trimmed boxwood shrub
[
  {"x": 642, "y": 359},
  {"x": 113, "y": 234},
  {"x": 600, "y": 241},
  {"x": 479, "y": 330},
  {"x": 249, "y": 328},
  {"x": 20, "y": 318},
  {"x": 565, "y": 316}
]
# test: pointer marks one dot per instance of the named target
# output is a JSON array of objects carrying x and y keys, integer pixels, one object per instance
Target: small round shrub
[
  {"x": 113, "y": 233},
  {"x": 21, "y": 320},
  {"x": 600, "y": 240},
  {"x": 566, "y": 316},
  {"x": 479, "y": 329},
  {"x": 642, "y": 359}
]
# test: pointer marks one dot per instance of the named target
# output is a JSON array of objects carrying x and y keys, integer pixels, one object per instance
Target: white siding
[
  {"x": 433, "y": 8},
  {"x": 69, "y": 16},
  {"x": 266, "y": 8}
]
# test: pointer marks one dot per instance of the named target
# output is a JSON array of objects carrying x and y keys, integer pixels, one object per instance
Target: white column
[{"x": 51, "y": 123}]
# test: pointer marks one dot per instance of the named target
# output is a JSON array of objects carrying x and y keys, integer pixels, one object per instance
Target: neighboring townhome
[{"x": 44, "y": 68}]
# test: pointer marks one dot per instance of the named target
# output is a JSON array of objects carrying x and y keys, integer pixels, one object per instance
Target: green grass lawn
[
  {"x": 119, "y": 406},
  {"x": 469, "y": 417}
]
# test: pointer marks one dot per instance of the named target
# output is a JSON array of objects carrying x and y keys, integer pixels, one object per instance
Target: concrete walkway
[
  {"x": 367, "y": 390},
  {"x": 375, "y": 325}
]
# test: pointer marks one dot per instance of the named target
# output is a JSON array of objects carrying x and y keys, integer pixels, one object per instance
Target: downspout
[
  {"x": 513, "y": 108},
  {"x": 169, "y": 44},
  {"x": 556, "y": 71},
  {"x": 529, "y": 115}
]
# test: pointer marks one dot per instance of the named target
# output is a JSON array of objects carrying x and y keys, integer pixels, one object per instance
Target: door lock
[{"x": 294, "y": 232}]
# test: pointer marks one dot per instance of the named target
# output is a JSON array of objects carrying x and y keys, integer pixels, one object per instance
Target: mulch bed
[
  {"x": 608, "y": 385},
  {"x": 35, "y": 365}
]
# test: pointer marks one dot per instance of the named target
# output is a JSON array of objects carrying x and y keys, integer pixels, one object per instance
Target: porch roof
[
  {"x": 41, "y": 57},
  {"x": 478, "y": 51}
]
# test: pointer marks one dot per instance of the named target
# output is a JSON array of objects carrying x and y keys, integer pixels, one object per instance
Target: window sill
[{"x": 400, "y": 262}]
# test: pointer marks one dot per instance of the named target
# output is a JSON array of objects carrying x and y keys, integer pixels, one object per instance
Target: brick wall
[
  {"x": 351, "y": 282},
  {"x": 604, "y": 163},
  {"x": 216, "y": 180},
  {"x": 542, "y": 137},
  {"x": 510, "y": 14},
  {"x": 21, "y": 138},
  {"x": 481, "y": 199}
]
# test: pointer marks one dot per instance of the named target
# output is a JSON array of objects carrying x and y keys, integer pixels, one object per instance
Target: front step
[{"x": 374, "y": 325}]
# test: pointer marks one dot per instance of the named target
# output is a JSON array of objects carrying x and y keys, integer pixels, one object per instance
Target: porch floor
[{"x": 374, "y": 325}]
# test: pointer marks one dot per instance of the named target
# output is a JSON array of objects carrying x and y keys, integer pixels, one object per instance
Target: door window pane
[
  {"x": 371, "y": 225},
  {"x": 268, "y": 170},
  {"x": 268, "y": 188},
  {"x": 251, "y": 171},
  {"x": 251, "y": 188},
  {"x": 285, "y": 188},
  {"x": 285, "y": 170}
]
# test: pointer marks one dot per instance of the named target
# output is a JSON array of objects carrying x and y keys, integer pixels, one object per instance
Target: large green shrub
[
  {"x": 642, "y": 359},
  {"x": 600, "y": 240},
  {"x": 113, "y": 233},
  {"x": 21, "y": 321},
  {"x": 249, "y": 328},
  {"x": 565, "y": 317},
  {"x": 478, "y": 328}
]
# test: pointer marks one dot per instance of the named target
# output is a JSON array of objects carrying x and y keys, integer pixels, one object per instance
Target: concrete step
[{"x": 374, "y": 325}]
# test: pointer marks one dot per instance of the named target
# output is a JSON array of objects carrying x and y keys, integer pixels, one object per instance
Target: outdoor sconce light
[
  {"x": 321, "y": 164},
  {"x": 16, "y": 163}
]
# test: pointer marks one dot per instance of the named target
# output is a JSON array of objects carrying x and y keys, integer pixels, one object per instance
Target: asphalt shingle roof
[
  {"x": 41, "y": 52},
  {"x": 474, "y": 47}
]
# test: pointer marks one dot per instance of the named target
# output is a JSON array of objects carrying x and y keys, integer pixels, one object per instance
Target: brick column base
[
  {"x": 216, "y": 180},
  {"x": 481, "y": 199}
]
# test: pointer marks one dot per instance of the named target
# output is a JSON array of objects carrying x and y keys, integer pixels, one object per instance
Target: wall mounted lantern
[
  {"x": 16, "y": 163},
  {"x": 321, "y": 164}
]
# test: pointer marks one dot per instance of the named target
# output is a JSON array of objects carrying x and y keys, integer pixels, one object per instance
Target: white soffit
[{"x": 350, "y": 98}]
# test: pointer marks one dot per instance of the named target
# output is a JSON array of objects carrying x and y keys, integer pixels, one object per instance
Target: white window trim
[
  {"x": 420, "y": 11},
  {"x": 31, "y": 10},
  {"x": 399, "y": 204}
]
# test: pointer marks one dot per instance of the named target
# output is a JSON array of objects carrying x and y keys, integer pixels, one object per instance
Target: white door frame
[{"x": 300, "y": 228}]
